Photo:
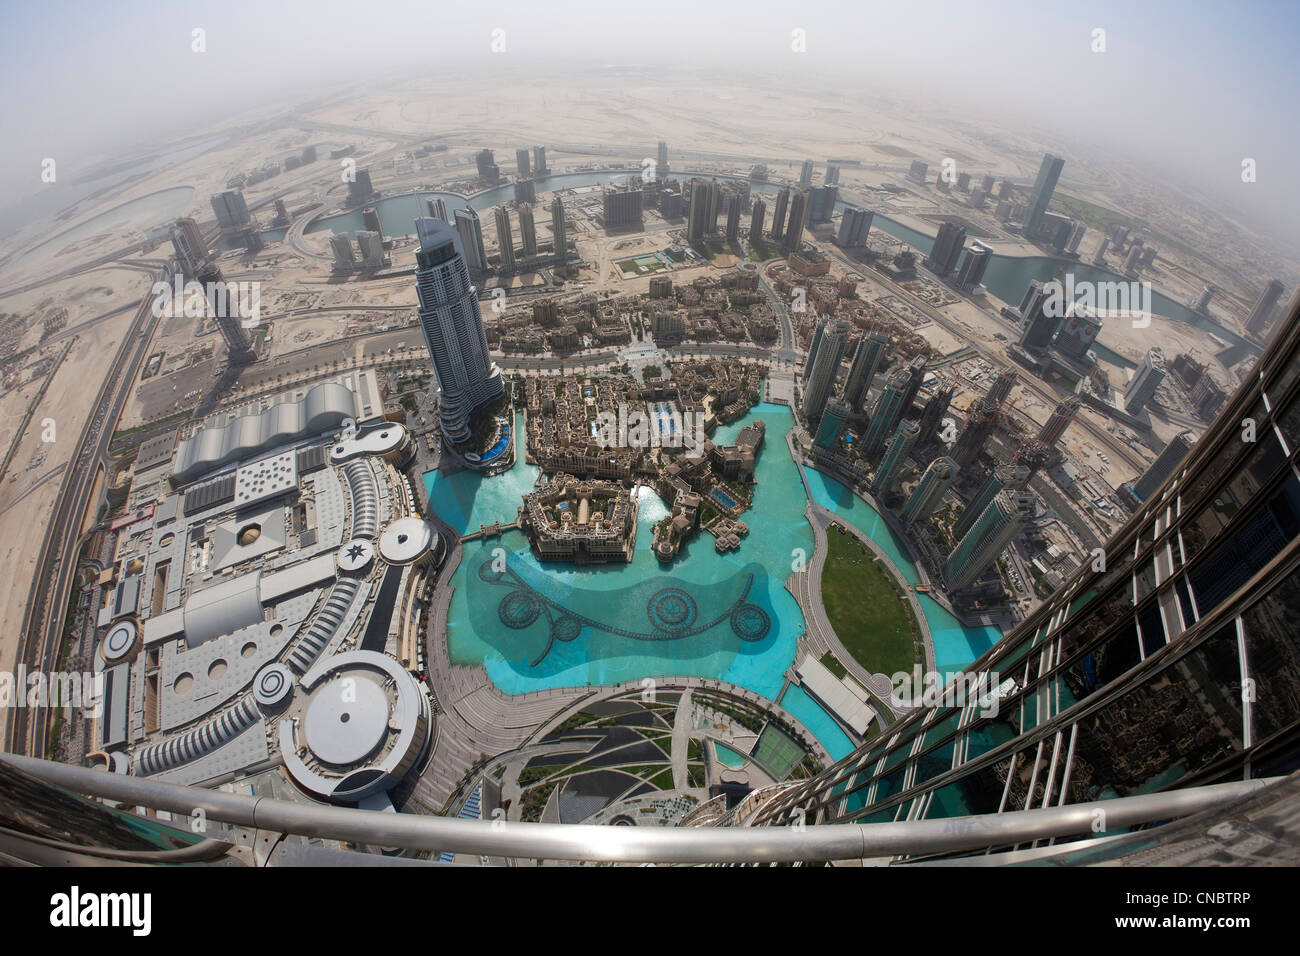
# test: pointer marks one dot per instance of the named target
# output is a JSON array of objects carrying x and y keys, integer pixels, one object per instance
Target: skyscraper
[
  {"x": 453, "y": 329},
  {"x": 831, "y": 426},
  {"x": 505, "y": 238},
  {"x": 559, "y": 230},
  {"x": 832, "y": 175},
  {"x": 360, "y": 188},
  {"x": 1041, "y": 195},
  {"x": 1175, "y": 659},
  {"x": 521, "y": 163},
  {"x": 1259, "y": 315},
  {"x": 698, "y": 222},
  {"x": 868, "y": 355},
  {"x": 1146, "y": 379},
  {"x": 793, "y": 237},
  {"x": 896, "y": 452},
  {"x": 915, "y": 378},
  {"x": 622, "y": 207},
  {"x": 539, "y": 162},
  {"x": 991, "y": 532},
  {"x": 225, "y": 312},
  {"x": 825, "y": 367},
  {"x": 821, "y": 203},
  {"x": 1154, "y": 477},
  {"x": 528, "y": 230},
  {"x": 1039, "y": 327},
  {"x": 1001, "y": 388},
  {"x": 661, "y": 162},
  {"x": 1059, "y": 421},
  {"x": 487, "y": 168},
  {"x": 980, "y": 421},
  {"x": 1202, "y": 303},
  {"x": 929, "y": 491},
  {"x": 372, "y": 222},
  {"x": 811, "y": 358},
  {"x": 191, "y": 248},
  {"x": 806, "y": 173},
  {"x": 971, "y": 273},
  {"x": 885, "y": 412},
  {"x": 437, "y": 208},
  {"x": 756, "y": 222},
  {"x": 345, "y": 258},
  {"x": 370, "y": 245},
  {"x": 231, "y": 211},
  {"x": 778, "y": 212},
  {"x": 733, "y": 217},
  {"x": 947, "y": 247},
  {"x": 1001, "y": 478},
  {"x": 855, "y": 224},
  {"x": 935, "y": 409},
  {"x": 471, "y": 239}
]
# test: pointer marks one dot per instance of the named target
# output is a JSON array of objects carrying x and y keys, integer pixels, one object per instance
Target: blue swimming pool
[
  {"x": 723, "y": 498},
  {"x": 730, "y": 758}
]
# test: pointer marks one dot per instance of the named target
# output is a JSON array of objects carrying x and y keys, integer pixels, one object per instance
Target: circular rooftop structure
[
  {"x": 120, "y": 642},
  {"x": 272, "y": 687},
  {"x": 407, "y": 540},
  {"x": 356, "y": 555},
  {"x": 365, "y": 725},
  {"x": 346, "y": 720}
]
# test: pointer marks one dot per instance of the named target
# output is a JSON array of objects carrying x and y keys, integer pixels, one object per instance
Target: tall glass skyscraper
[
  {"x": 1169, "y": 660},
  {"x": 1041, "y": 195},
  {"x": 453, "y": 329}
]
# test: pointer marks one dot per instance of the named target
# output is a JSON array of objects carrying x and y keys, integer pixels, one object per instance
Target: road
[{"x": 56, "y": 564}]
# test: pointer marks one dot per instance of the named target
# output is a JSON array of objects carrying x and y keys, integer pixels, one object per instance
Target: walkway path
[{"x": 806, "y": 587}]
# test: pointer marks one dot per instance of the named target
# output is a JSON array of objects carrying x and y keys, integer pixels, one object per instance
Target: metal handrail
[{"x": 554, "y": 841}]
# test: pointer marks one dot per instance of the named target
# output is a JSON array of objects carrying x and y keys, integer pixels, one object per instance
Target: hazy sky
[{"x": 1190, "y": 85}]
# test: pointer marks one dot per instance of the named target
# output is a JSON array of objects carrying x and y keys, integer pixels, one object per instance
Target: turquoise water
[
  {"x": 731, "y": 758},
  {"x": 955, "y": 645},
  {"x": 812, "y": 716},
  {"x": 536, "y": 626},
  {"x": 727, "y": 617}
]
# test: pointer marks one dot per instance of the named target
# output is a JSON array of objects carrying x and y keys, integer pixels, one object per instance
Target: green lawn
[{"x": 870, "y": 615}]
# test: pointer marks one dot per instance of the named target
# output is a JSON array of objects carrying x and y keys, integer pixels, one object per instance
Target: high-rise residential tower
[
  {"x": 825, "y": 366},
  {"x": 885, "y": 412},
  {"x": 559, "y": 230},
  {"x": 1059, "y": 420},
  {"x": 1001, "y": 478},
  {"x": 947, "y": 248},
  {"x": 793, "y": 237},
  {"x": 868, "y": 355},
  {"x": 224, "y": 307},
  {"x": 505, "y": 238},
  {"x": 1259, "y": 315},
  {"x": 896, "y": 452},
  {"x": 779, "y": 211},
  {"x": 990, "y": 533},
  {"x": 528, "y": 230},
  {"x": 470, "y": 231},
  {"x": 756, "y": 221},
  {"x": 929, "y": 491}
]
